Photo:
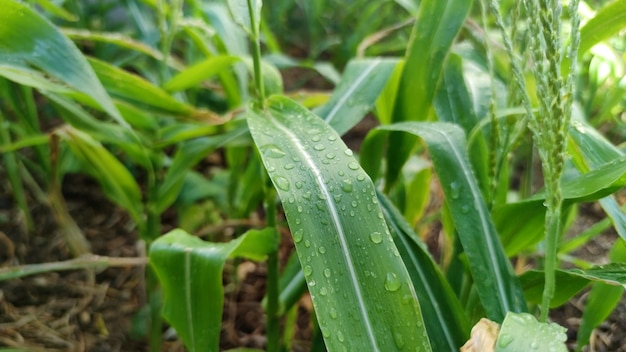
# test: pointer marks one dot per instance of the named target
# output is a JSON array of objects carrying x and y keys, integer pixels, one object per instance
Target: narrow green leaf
[
  {"x": 438, "y": 23},
  {"x": 523, "y": 332},
  {"x": 362, "y": 82},
  {"x": 603, "y": 297},
  {"x": 116, "y": 181},
  {"x": 607, "y": 22},
  {"x": 119, "y": 40},
  {"x": 613, "y": 273},
  {"x": 448, "y": 327},
  {"x": 188, "y": 155},
  {"x": 498, "y": 287},
  {"x": 194, "y": 75},
  {"x": 57, "y": 10},
  {"x": 133, "y": 88},
  {"x": 27, "y": 39},
  {"x": 590, "y": 150},
  {"x": 190, "y": 272},
  {"x": 362, "y": 293},
  {"x": 453, "y": 103}
]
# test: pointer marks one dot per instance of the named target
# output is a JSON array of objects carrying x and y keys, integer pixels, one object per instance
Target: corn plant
[{"x": 456, "y": 107}]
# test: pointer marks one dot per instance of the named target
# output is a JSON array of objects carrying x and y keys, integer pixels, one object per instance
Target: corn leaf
[
  {"x": 116, "y": 181},
  {"x": 361, "y": 291},
  {"x": 438, "y": 23},
  {"x": 497, "y": 285},
  {"x": 194, "y": 75},
  {"x": 28, "y": 39},
  {"x": 590, "y": 150},
  {"x": 607, "y": 22},
  {"x": 190, "y": 272},
  {"x": 362, "y": 82},
  {"x": 522, "y": 332},
  {"x": 448, "y": 327}
]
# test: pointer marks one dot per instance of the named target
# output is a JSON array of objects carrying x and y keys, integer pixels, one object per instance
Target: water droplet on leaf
[{"x": 392, "y": 283}]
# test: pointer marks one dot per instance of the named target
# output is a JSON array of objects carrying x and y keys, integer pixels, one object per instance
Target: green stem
[
  {"x": 273, "y": 273},
  {"x": 553, "y": 229},
  {"x": 256, "y": 55}
]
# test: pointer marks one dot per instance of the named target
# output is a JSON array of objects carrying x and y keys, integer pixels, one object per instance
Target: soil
[{"x": 91, "y": 310}]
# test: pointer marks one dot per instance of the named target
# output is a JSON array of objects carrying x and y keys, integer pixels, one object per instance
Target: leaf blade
[{"x": 337, "y": 233}]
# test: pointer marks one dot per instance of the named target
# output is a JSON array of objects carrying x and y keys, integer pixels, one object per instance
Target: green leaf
[
  {"x": 190, "y": 272},
  {"x": 438, "y": 23},
  {"x": 116, "y": 181},
  {"x": 603, "y": 297},
  {"x": 188, "y": 155},
  {"x": 133, "y": 88},
  {"x": 607, "y": 22},
  {"x": 362, "y": 82},
  {"x": 448, "y": 327},
  {"x": 567, "y": 285},
  {"x": 361, "y": 291},
  {"x": 590, "y": 150},
  {"x": 194, "y": 75},
  {"x": 27, "y": 39},
  {"x": 522, "y": 333},
  {"x": 497, "y": 285},
  {"x": 241, "y": 14}
]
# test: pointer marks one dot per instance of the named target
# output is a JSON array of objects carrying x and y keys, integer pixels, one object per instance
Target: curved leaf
[
  {"x": 498, "y": 287},
  {"x": 607, "y": 22},
  {"x": 190, "y": 271},
  {"x": 27, "y": 39},
  {"x": 362, "y": 293},
  {"x": 448, "y": 327},
  {"x": 362, "y": 82},
  {"x": 438, "y": 23}
]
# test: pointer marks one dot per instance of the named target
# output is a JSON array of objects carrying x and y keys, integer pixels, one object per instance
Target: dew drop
[
  {"x": 307, "y": 195},
  {"x": 398, "y": 339},
  {"x": 360, "y": 177},
  {"x": 307, "y": 243},
  {"x": 376, "y": 237},
  {"x": 353, "y": 165},
  {"x": 504, "y": 340},
  {"x": 354, "y": 204},
  {"x": 340, "y": 336},
  {"x": 307, "y": 270},
  {"x": 282, "y": 183},
  {"x": 348, "y": 152},
  {"x": 322, "y": 250},
  {"x": 465, "y": 209},
  {"x": 298, "y": 235},
  {"x": 330, "y": 156},
  {"x": 323, "y": 291},
  {"x": 333, "y": 313},
  {"x": 298, "y": 184},
  {"x": 327, "y": 272},
  {"x": 289, "y": 166},
  {"x": 392, "y": 283},
  {"x": 319, "y": 147},
  {"x": 325, "y": 331},
  {"x": 332, "y": 138},
  {"x": 300, "y": 209},
  {"x": 455, "y": 190},
  {"x": 273, "y": 151},
  {"x": 346, "y": 185}
]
